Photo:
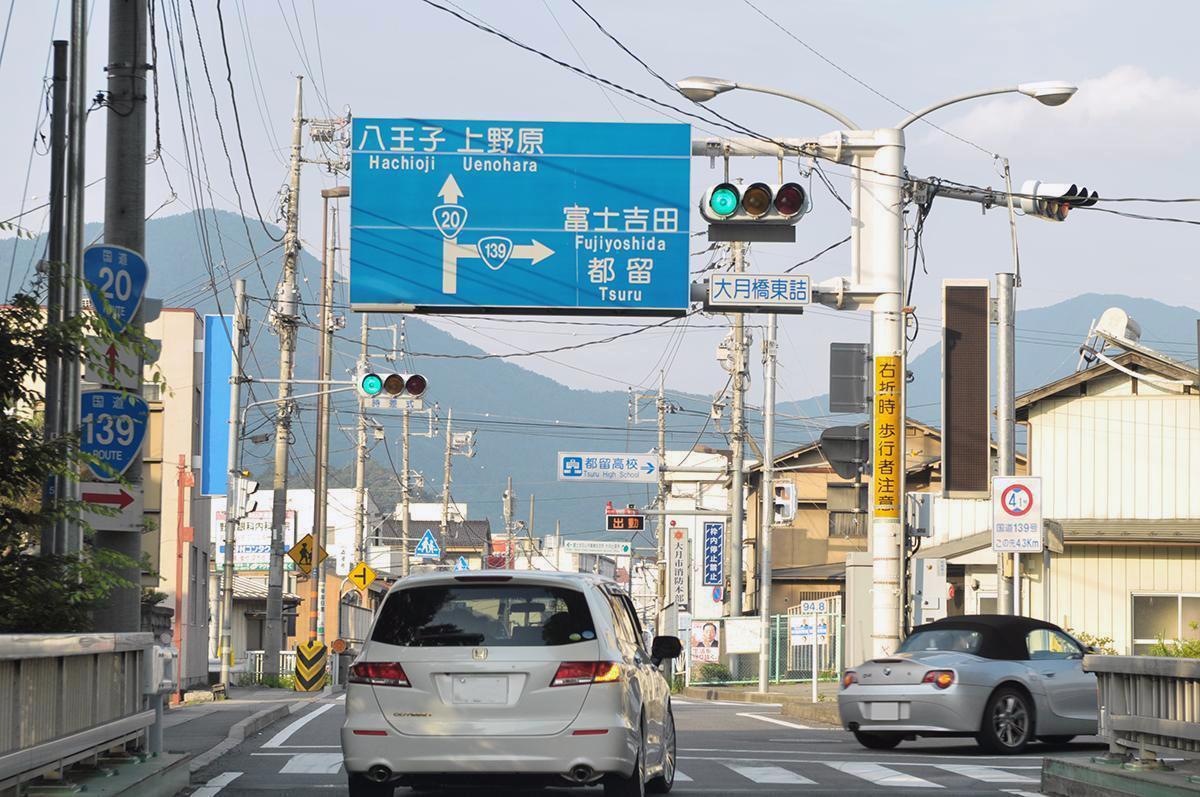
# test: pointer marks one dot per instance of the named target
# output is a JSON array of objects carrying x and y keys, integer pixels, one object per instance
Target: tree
[{"x": 45, "y": 593}]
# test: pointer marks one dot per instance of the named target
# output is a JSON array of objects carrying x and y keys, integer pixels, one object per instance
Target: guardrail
[
  {"x": 1149, "y": 705},
  {"x": 67, "y": 697}
]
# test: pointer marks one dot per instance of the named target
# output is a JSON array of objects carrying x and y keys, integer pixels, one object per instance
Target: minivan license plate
[{"x": 477, "y": 690}]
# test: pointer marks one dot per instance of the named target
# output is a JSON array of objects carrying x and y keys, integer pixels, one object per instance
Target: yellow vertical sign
[{"x": 888, "y": 456}]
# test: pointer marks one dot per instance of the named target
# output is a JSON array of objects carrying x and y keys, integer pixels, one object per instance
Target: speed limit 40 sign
[{"x": 1017, "y": 514}]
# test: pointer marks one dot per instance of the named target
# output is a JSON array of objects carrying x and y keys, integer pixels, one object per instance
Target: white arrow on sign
[{"x": 452, "y": 251}]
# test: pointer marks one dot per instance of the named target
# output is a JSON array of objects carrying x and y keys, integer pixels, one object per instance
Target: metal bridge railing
[{"x": 1149, "y": 705}]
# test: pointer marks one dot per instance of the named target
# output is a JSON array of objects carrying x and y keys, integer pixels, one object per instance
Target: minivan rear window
[{"x": 492, "y": 615}]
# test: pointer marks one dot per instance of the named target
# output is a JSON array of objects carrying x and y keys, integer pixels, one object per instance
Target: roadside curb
[
  {"x": 244, "y": 728},
  {"x": 790, "y": 706}
]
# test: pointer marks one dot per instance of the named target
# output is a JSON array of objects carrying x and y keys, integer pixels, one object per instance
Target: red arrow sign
[
  {"x": 111, "y": 354},
  {"x": 120, "y": 499}
]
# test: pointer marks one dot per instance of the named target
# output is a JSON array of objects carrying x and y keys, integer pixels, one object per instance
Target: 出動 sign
[
  {"x": 607, "y": 466},
  {"x": 1017, "y": 514},
  {"x": 501, "y": 216},
  {"x": 623, "y": 522}
]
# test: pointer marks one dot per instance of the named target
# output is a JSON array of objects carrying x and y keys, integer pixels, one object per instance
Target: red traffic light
[
  {"x": 789, "y": 199},
  {"x": 416, "y": 385}
]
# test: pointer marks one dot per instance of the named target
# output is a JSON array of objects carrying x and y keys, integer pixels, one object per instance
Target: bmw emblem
[{"x": 886, "y": 670}]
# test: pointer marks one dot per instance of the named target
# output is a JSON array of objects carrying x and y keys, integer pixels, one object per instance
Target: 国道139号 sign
[
  {"x": 1017, "y": 514},
  {"x": 555, "y": 217}
]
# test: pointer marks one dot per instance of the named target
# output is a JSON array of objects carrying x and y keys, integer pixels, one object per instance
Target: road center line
[
  {"x": 784, "y": 723},
  {"x": 211, "y": 788},
  {"x": 286, "y": 733}
]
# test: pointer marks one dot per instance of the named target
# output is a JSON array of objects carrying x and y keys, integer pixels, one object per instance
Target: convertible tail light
[
  {"x": 939, "y": 678},
  {"x": 575, "y": 673},
  {"x": 851, "y": 677},
  {"x": 378, "y": 673}
]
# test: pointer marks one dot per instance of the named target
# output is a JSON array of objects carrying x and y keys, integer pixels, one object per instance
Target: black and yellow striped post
[{"x": 310, "y": 666}]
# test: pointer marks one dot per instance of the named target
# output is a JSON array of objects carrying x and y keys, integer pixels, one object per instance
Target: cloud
[{"x": 1126, "y": 108}]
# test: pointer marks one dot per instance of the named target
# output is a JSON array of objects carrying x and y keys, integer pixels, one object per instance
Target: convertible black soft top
[{"x": 1002, "y": 635}]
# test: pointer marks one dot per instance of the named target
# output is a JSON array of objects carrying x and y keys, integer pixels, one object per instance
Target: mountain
[{"x": 523, "y": 419}]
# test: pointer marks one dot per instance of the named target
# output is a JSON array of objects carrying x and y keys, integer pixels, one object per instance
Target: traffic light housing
[
  {"x": 245, "y": 502},
  {"x": 389, "y": 384},
  {"x": 1053, "y": 201},
  {"x": 759, "y": 203}
]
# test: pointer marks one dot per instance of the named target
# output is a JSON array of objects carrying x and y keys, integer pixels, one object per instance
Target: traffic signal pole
[
  {"x": 233, "y": 497},
  {"x": 406, "y": 519},
  {"x": 738, "y": 432},
  {"x": 360, "y": 463},
  {"x": 767, "y": 508},
  {"x": 285, "y": 318}
]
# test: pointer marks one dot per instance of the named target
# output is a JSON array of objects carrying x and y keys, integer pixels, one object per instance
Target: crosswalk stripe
[
  {"x": 880, "y": 775},
  {"x": 986, "y": 774},
  {"x": 215, "y": 785},
  {"x": 769, "y": 774},
  {"x": 313, "y": 764}
]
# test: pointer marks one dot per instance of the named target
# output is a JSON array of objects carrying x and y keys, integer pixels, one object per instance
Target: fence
[
  {"x": 354, "y": 621},
  {"x": 67, "y": 697},
  {"x": 1148, "y": 704},
  {"x": 791, "y": 649},
  {"x": 254, "y": 663}
]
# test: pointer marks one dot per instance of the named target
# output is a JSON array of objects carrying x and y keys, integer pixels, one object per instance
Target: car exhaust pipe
[
  {"x": 581, "y": 773},
  {"x": 379, "y": 774}
]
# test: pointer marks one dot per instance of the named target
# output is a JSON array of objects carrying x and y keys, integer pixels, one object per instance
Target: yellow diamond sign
[
  {"x": 302, "y": 554},
  {"x": 362, "y": 576}
]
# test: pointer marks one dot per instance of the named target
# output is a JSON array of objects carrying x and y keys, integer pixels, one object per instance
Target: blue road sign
[
  {"x": 608, "y": 466},
  {"x": 428, "y": 547},
  {"x": 462, "y": 564},
  {"x": 551, "y": 217},
  {"x": 112, "y": 429},
  {"x": 714, "y": 554},
  {"x": 118, "y": 275}
]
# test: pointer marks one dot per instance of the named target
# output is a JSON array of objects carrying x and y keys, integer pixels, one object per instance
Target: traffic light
[
  {"x": 245, "y": 502},
  {"x": 761, "y": 203},
  {"x": 1053, "y": 201},
  {"x": 390, "y": 385}
]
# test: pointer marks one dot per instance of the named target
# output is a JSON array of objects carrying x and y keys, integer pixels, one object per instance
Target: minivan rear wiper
[{"x": 439, "y": 637}]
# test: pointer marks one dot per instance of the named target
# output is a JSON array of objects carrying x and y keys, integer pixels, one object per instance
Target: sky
[{"x": 1127, "y": 133}]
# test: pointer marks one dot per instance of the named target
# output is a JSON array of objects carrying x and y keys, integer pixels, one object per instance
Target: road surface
[{"x": 724, "y": 748}]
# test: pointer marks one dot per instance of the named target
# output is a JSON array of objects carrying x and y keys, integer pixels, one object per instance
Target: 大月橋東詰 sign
[{"x": 531, "y": 217}]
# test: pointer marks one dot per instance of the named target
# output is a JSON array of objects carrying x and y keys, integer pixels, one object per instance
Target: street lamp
[{"x": 876, "y": 281}]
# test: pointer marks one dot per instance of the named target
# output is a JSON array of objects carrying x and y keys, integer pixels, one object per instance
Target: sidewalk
[
  {"x": 795, "y": 700},
  {"x": 194, "y": 729}
]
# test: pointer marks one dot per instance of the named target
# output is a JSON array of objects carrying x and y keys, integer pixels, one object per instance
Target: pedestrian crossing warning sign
[
  {"x": 362, "y": 576},
  {"x": 310, "y": 666},
  {"x": 428, "y": 547},
  {"x": 302, "y": 554}
]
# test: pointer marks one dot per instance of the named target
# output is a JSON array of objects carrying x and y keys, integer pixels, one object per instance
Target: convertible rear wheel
[
  {"x": 1007, "y": 725},
  {"x": 877, "y": 741}
]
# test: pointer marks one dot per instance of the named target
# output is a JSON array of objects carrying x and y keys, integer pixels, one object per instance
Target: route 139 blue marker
[{"x": 112, "y": 428}]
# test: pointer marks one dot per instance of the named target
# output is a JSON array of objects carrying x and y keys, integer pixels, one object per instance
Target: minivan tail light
[
  {"x": 942, "y": 679},
  {"x": 378, "y": 673},
  {"x": 576, "y": 673}
]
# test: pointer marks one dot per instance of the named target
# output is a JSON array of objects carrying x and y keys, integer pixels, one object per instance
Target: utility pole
[
  {"x": 446, "y": 475},
  {"x": 233, "y": 493},
  {"x": 360, "y": 463},
  {"x": 53, "y": 539},
  {"x": 508, "y": 522},
  {"x": 125, "y": 225},
  {"x": 736, "y": 531},
  {"x": 557, "y": 545},
  {"x": 285, "y": 326},
  {"x": 321, "y": 470},
  {"x": 768, "y": 506},
  {"x": 529, "y": 535},
  {"x": 406, "y": 518},
  {"x": 660, "y": 501},
  {"x": 77, "y": 112},
  {"x": 1008, "y": 589}
]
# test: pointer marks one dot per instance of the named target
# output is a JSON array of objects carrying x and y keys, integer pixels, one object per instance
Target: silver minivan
[{"x": 503, "y": 677}]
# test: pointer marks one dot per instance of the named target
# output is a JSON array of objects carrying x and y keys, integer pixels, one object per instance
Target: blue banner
[{"x": 214, "y": 432}]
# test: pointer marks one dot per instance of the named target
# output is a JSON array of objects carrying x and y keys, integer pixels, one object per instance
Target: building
[{"x": 1117, "y": 448}]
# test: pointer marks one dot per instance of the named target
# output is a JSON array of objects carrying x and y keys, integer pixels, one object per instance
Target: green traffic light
[
  {"x": 372, "y": 384},
  {"x": 724, "y": 201}
]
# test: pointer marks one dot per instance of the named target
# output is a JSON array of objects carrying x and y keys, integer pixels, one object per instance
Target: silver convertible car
[{"x": 1004, "y": 680}]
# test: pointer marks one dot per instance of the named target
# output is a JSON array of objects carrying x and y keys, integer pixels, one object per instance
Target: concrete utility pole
[
  {"x": 77, "y": 111},
  {"x": 233, "y": 493},
  {"x": 1008, "y": 589},
  {"x": 738, "y": 432},
  {"x": 529, "y": 536},
  {"x": 660, "y": 501},
  {"x": 360, "y": 464},
  {"x": 53, "y": 536},
  {"x": 508, "y": 523},
  {"x": 285, "y": 317},
  {"x": 406, "y": 514},
  {"x": 125, "y": 225},
  {"x": 446, "y": 476},
  {"x": 767, "y": 509}
]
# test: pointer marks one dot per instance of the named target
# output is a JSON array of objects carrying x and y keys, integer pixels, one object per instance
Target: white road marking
[
  {"x": 784, "y": 723},
  {"x": 681, "y": 778},
  {"x": 880, "y": 775},
  {"x": 676, "y": 702},
  {"x": 1019, "y": 793},
  {"x": 313, "y": 764},
  {"x": 986, "y": 774},
  {"x": 769, "y": 774},
  {"x": 991, "y": 759},
  {"x": 211, "y": 788},
  {"x": 286, "y": 733}
]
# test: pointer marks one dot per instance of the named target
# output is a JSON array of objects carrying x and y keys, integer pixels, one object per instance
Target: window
[
  {"x": 1166, "y": 617},
  {"x": 848, "y": 524},
  {"x": 951, "y": 639},
  {"x": 624, "y": 626},
  {"x": 494, "y": 615},
  {"x": 1044, "y": 644}
]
